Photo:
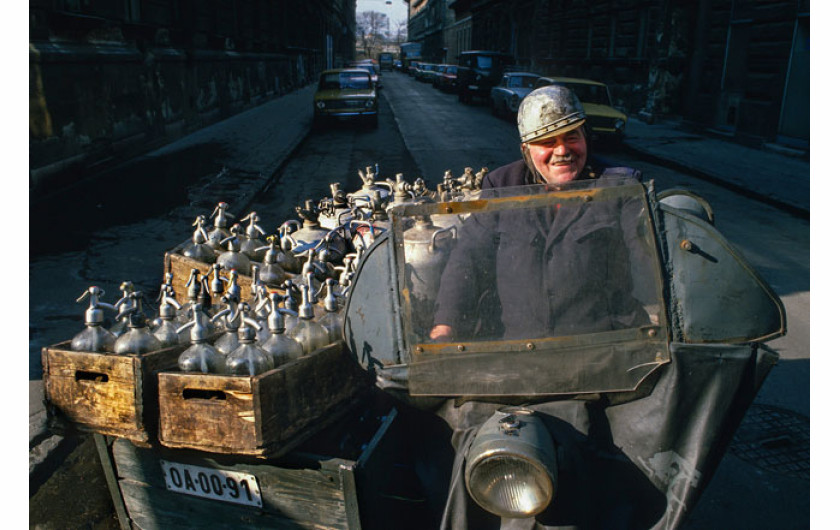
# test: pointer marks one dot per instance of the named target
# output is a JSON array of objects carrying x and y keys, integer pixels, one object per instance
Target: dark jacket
[{"x": 529, "y": 273}]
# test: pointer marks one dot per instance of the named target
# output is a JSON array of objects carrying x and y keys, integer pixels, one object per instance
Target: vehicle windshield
[
  {"x": 522, "y": 81},
  {"x": 451, "y": 69},
  {"x": 342, "y": 80},
  {"x": 484, "y": 62},
  {"x": 548, "y": 264},
  {"x": 597, "y": 94},
  {"x": 529, "y": 274}
]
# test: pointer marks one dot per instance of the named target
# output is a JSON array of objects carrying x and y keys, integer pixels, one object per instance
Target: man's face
[{"x": 559, "y": 158}]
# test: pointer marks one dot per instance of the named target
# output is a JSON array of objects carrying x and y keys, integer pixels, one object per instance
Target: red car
[{"x": 446, "y": 79}]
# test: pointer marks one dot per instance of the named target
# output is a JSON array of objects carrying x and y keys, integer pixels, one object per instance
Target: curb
[{"x": 795, "y": 210}]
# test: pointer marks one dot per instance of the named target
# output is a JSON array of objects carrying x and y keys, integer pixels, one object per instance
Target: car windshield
[
  {"x": 351, "y": 80},
  {"x": 522, "y": 81},
  {"x": 452, "y": 70},
  {"x": 485, "y": 62},
  {"x": 597, "y": 94}
]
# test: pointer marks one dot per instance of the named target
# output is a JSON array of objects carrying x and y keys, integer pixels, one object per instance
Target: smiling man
[
  {"x": 555, "y": 150},
  {"x": 555, "y": 144}
]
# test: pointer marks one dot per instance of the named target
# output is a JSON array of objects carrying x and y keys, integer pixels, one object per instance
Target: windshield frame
[{"x": 645, "y": 347}]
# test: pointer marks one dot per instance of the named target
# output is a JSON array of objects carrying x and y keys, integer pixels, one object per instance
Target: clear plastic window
[{"x": 528, "y": 263}]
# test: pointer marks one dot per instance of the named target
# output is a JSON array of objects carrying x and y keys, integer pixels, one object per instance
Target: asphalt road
[{"x": 423, "y": 132}]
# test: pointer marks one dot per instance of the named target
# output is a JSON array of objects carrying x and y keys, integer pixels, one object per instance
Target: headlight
[
  {"x": 320, "y": 104},
  {"x": 369, "y": 103},
  {"x": 511, "y": 467},
  {"x": 619, "y": 125}
]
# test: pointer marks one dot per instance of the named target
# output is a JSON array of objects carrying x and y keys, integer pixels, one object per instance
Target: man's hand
[{"x": 441, "y": 333}]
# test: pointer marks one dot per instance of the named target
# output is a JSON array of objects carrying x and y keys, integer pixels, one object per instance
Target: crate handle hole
[
  {"x": 94, "y": 377},
  {"x": 195, "y": 393}
]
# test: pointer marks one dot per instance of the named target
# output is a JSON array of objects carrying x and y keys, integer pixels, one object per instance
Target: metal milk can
[{"x": 427, "y": 249}]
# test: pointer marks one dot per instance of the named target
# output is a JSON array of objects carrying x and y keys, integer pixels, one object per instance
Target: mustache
[{"x": 569, "y": 157}]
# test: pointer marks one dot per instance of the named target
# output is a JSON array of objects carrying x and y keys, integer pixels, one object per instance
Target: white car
[{"x": 508, "y": 94}]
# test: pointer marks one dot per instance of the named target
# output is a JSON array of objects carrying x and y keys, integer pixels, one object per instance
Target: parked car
[
  {"x": 346, "y": 93},
  {"x": 508, "y": 94},
  {"x": 369, "y": 66},
  {"x": 412, "y": 68},
  {"x": 605, "y": 121},
  {"x": 478, "y": 72},
  {"x": 425, "y": 72},
  {"x": 446, "y": 77}
]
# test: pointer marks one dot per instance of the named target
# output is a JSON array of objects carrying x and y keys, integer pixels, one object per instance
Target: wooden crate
[
  {"x": 105, "y": 393},
  {"x": 266, "y": 415},
  {"x": 180, "y": 266},
  {"x": 320, "y": 485}
]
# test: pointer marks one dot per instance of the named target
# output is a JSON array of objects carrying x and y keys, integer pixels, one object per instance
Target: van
[
  {"x": 479, "y": 71},
  {"x": 386, "y": 61}
]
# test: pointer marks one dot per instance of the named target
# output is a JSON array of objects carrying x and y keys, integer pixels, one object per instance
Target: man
[{"x": 558, "y": 272}]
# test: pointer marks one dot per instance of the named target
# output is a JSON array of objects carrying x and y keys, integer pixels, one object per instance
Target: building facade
[
  {"x": 110, "y": 80},
  {"x": 740, "y": 67}
]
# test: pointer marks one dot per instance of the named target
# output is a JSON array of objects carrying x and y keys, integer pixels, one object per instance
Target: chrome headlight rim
[
  {"x": 544, "y": 497},
  {"x": 511, "y": 466},
  {"x": 319, "y": 104}
]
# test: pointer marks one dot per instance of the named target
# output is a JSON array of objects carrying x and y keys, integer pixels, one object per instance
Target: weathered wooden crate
[
  {"x": 326, "y": 483},
  {"x": 266, "y": 415},
  {"x": 105, "y": 393},
  {"x": 180, "y": 266}
]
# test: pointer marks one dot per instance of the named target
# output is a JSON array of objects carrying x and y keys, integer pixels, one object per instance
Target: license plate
[
  {"x": 217, "y": 484},
  {"x": 473, "y": 87}
]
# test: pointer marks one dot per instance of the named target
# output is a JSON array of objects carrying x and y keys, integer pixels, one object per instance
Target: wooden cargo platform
[{"x": 335, "y": 480}]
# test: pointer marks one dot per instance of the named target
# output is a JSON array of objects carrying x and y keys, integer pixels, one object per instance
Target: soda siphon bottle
[
  {"x": 310, "y": 334},
  {"x": 199, "y": 249},
  {"x": 271, "y": 272},
  {"x": 122, "y": 305},
  {"x": 220, "y": 226},
  {"x": 253, "y": 243},
  {"x": 138, "y": 338},
  {"x": 94, "y": 338},
  {"x": 280, "y": 346},
  {"x": 332, "y": 320},
  {"x": 232, "y": 257},
  {"x": 201, "y": 356},
  {"x": 249, "y": 358},
  {"x": 167, "y": 331},
  {"x": 230, "y": 317}
]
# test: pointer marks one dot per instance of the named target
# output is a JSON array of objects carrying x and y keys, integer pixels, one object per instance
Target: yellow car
[
  {"x": 604, "y": 121},
  {"x": 346, "y": 93}
]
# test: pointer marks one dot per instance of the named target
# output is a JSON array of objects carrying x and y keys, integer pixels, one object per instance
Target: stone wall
[{"x": 109, "y": 80}]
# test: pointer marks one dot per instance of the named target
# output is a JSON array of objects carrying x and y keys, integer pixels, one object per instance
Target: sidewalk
[
  {"x": 762, "y": 174},
  {"x": 260, "y": 140}
]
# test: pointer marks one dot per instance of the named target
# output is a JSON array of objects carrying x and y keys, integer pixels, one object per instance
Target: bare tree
[{"x": 371, "y": 30}]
